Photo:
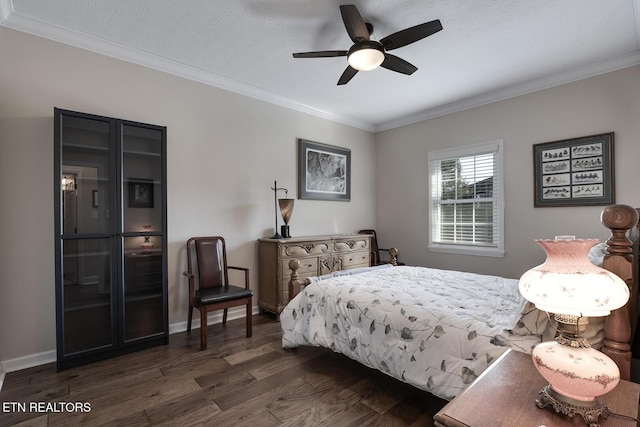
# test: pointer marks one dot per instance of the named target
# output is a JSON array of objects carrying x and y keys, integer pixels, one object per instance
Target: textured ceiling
[{"x": 488, "y": 50}]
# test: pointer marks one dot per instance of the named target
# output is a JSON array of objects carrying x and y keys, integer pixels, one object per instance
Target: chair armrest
[
  {"x": 246, "y": 274},
  {"x": 192, "y": 287}
]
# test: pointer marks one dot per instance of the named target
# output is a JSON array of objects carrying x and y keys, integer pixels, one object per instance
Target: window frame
[{"x": 497, "y": 147}]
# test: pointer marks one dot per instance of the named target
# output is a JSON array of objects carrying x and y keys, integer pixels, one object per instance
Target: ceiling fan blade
[
  {"x": 410, "y": 35},
  {"x": 354, "y": 23},
  {"x": 321, "y": 54},
  {"x": 393, "y": 63},
  {"x": 348, "y": 74}
]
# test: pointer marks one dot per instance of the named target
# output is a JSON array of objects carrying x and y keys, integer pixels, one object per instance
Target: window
[{"x": 465, "y": 204}]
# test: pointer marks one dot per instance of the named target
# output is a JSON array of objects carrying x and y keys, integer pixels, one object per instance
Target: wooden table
[{"x": 504, "y": 395}]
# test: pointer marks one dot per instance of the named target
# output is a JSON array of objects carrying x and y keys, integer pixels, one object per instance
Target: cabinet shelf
[
  {"x": 131, "y": 297},
  {"x": 86, "y": 306},
  {"x": 141, "y": 153}
]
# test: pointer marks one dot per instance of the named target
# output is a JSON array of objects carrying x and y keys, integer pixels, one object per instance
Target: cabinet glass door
[
  {"x": 84, "y": 271},
  {"x": 143, "y": 230}
]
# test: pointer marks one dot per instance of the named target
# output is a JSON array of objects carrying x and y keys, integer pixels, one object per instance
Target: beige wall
[
  {"x": 224, "y": 152},
  {"x": 605, "y": 103}
]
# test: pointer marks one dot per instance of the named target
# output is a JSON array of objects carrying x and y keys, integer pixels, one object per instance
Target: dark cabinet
[{"x": 110, "y": 231}]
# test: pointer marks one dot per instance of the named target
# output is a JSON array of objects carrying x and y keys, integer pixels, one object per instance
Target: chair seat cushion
[{"x": 221, "y": 294}]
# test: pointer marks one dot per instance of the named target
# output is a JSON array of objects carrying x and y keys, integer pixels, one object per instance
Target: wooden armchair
[
  {"x": 209, "y": 287},
  {"x": 376, "y": 258}
]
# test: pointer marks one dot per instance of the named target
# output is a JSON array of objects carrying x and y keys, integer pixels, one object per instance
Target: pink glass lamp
[{"x": 573, "y": 289}]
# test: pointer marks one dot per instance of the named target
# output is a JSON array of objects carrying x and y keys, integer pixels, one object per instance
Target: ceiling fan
[{"x": 367, "y": 54}]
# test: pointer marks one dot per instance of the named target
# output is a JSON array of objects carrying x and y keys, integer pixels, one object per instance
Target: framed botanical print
[{"x": 574, "y": 172}]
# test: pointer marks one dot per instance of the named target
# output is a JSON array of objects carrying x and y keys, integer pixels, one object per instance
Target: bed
[{"x": 439, "y": 329}]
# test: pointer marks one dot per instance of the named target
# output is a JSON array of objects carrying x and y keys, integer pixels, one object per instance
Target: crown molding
[
  {"x": 516, "y": 90},
  {"x": 103, "y": 47},
  {"x": 6, "y": 10},
  {"x": 636, "y": 10}
]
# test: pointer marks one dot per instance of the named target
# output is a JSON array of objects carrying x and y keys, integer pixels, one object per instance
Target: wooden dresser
[{"x": 318, "y": 255}]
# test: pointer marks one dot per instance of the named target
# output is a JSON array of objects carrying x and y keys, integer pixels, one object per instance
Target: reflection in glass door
[
  {"x": 143, "y": 230},
  {"x": 84, "y": 293}
]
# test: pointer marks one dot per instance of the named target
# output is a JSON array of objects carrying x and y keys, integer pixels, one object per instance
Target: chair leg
[
  {"x": 249, "y": 320},
  {"x": 203, "y": 329},
  {"x": 224, "y": 317},
  {"x": 189, "y": 317}
]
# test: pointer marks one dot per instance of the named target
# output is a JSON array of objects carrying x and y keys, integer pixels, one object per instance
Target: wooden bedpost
[
  {"x": 393, "y": 256},
  {"x": 619, "y": 260},
  {"x": 295, "y": 284}
]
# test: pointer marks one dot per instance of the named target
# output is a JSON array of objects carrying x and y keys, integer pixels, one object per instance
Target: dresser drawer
[
  {"x": 302, "y": 249},
  {"x": 308, "y": 268},
  {"x": 351, "y": 245},
  {"x": 355, "y": 259}
]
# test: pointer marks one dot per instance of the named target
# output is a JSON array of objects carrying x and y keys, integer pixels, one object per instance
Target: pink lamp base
[{"x": 590, "y": 411}]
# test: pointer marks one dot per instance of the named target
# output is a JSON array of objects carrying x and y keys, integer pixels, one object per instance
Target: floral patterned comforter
[{"x": 434, "y": 329}]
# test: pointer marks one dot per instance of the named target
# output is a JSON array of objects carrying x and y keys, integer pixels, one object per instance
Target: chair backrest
[
  {"x": 209, "y": 255},
  {"x": 375, "y": 255}
]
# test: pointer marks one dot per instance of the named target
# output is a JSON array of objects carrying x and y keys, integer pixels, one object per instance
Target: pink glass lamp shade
[
  {"x": 568, "y": 283},
  {"x": 570, "y": 287}
]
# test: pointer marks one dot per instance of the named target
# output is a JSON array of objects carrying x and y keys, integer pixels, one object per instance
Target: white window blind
[{"x": 466, "y": 208}]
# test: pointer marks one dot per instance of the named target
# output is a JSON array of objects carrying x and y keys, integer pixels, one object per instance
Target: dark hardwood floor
[{"x": 237, "y": 381}]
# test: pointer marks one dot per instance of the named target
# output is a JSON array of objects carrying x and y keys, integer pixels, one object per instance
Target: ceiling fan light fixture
[{"x": 366, "y": 55}]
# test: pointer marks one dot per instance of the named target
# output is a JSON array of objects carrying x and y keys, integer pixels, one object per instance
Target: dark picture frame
[
  {"x": 140, "y": 193},
  {"x": 324, "y": 171},
  {"x": 574, "y": 172}
]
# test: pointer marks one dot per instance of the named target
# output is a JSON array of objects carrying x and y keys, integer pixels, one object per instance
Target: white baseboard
[
  {"x": 31, "y": 360},
  {"x": 212, "y": 319}
]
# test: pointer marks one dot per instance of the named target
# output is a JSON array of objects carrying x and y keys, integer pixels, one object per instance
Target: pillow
[
  {"x": 339, "y": 273},
  {"x": 532, "y": 321},
  {"x": 359, "y": 270},
  {"x": 634, "y": 233},
  {"x": 597, "y": 253},
  {"x": 314, "y": 279}
]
